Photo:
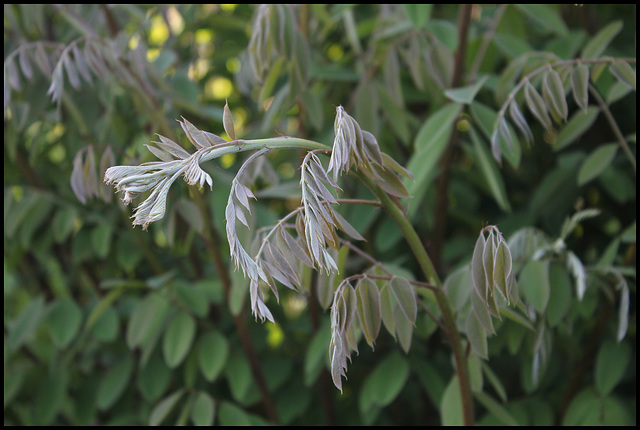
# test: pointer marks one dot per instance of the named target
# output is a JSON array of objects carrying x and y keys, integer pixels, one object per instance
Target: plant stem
[
  {"x": 614, "y": 125},
  {"x": 429, "y": 271}
]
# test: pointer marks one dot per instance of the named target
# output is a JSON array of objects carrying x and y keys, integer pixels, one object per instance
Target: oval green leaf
[
  {"x": 178, "y": 338},
  {"x": 596, "y": 162}
]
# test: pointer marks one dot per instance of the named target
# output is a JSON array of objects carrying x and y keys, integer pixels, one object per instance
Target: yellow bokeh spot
[
  {"x": 233, "y": 65},
  {"x": 134, "y": 41},
  {"x": 227, "y": 160},
  {"x": 159, "y": 32},
  {"x": 228, "y": 7},
  {"x": 275, "y": 335},
  {"x": 203, "y": 36},
  {"x": 219, "y": 88},
  {"x": 335, "y": 52},
  {"x": 152, "y": 54}
]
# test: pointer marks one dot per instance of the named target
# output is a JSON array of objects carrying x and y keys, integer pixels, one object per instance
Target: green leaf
[
  {"x": 195, "y": 299},
  {"x": 534, "y": 284},
  {"x": 164, "y": 407},
  {"x": 145, "y": 319},
  {"x": 406, "y": 297},
  {"x": 231, "y": 415},
  {"x": 580, "y": 122},
  {"x": 598, "y": 43},
  {"x": 50, "y": 395},
  {"x": 451, "y": 404},
  {"x": 477, "y": 336},
  {"x": 154, "y": 378},
  {"x": 114, "y": 382},
  {"x": 490, "y": 172},
  {"x": 498, "y": 411},
  {"x": 545, "y": 16},
  {"x": 553, "y": 94},
  {"x": 465, "y": 95},
  {"x": 22, "y": 328},
  {"x": 624, "y": 72},
  {"x": 203, "y": 410},
  {"x": 596, "y": 162},
  {"x": 611, "y": 365},
  {"x": 227, "y": 122},
  {"x": 65, "y": 319},
  {"x": 213, "y": 351},
  {"x": 430, "y": 143},
  {"x": 418, "y": 14},
  {"x": 369, "y": 312},
  {"x": 560, "y": 295},
  {"x": 485, "y": 118},
  {"x": 580, "y": 85},
  {"x": 536, "y": 105},
  {"x": 384, "y": 384},
  {"x": 178, "y": 338}
]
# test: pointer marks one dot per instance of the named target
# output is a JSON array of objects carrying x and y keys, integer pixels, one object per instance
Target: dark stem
[{"x": 442, "y": 202}]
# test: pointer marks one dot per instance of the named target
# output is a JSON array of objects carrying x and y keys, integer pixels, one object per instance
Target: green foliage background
[{"x": 105, "y": 324}]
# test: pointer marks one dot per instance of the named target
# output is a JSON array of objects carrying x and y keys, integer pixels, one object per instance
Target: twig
[{"x": 614, "y": 125}]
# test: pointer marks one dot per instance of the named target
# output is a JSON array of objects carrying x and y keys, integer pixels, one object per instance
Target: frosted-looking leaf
[
  {"x": 577, "y": 269},
  {"x": 477, "y": 268},
  {"x": 624, "y": 72},
  {"x": 536, "y": 105},
  {"x": 518, "y": 119},
  {"x": 369, "y": 312},
  {"x": 502, "y": 269},
  {"x": 623, "y": 310},
  {"x": 227, "y": 122},
  {"x": 553, "y": 94},
  {"x": 405, "y": 296},
  {"x": 580, "y": 85}
]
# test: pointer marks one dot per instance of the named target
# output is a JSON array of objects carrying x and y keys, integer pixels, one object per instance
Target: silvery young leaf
[
  {"x": 553, "y": 94},
  {"x": 487, "y": 261},
  {"x": 81, "y": 64},
  {"x": 227, "y": 122},
  {"x": 482, "y": 312},
  {"x": 393, "y": 165},
  {"x": 371, "y": 147},
  {"x": 389, "y": 182},
  {"x": 404, "y": 328},
  {"x": 577, "y": 269},
  {"x": 159, "y": 153},
  {"x": 77, "y": 181},
  {"x": 518, "y": 119},
  {"x": 213, "y": 139},
  {"x": 295, "y": 247},
  {"x": 194, "y": 135},
  {"x": 477, "y": 335},
  {"x": 41, "y": 59},
  {"x": 624, "y": 72},
  {"x": 386, "y": 309},
  {"x": 496, "y": 148},
  {"x": 536, "y": 105},
  {"x": 72, "y": 74},
  {"x": 243, "y": 193},
  {"x": 25, "y": 65},
  {"x": 405, "y": 295},
  {"x": 505, "y": 132},
  {"x": 623, "y": 310},
  {"x": 344, "y": 225},
  {"x": 502, "y": 268},
  {"x": 368, "y": 305},
  {"x": 477, "y": 268},
  {"x": 172, "y": 148},
  {"x": 12, "y": 72},
  {"x": 580, "y": 85}
]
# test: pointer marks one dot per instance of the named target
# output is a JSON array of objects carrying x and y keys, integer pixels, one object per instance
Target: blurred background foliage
[{"x": 105, "y": 324}]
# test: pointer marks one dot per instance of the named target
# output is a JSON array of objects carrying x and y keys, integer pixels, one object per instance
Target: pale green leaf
[
  {"x": 624, "y": 72},
  {"x": 451, "y": 404},
  {"x": 465, "y": 95},
  {"x": 598, "y": 43},
  {"x": 611, "y": 365},
  {"x": 490, "y": 172},
  {"x": 405, "y": 295},
  {"x": 114, "y": 382},
  {"x": 178, "y": 338},
  {"x": 430, "y": 143},
  {"x": 213, "y": 350},
  {"x": 203, "y": 410},
  {"x": 580, "y": 85},
  {"x": 547, "y": 17},
  {"x": 64, "y": 321},
  {"x": 580, "y": 122},
  {"x": 164, "y": 407},
  {"x": 368, "y": 305},
  {"x": 596, "y": 162},
  {"x": 477, "y": 336},
  {"x": 227, "y": 122},
  {"x": 534, "y": 284}
]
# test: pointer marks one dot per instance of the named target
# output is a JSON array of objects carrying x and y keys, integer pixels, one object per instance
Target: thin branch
[
  {"x": 614, "y": 125},
  {"x": 486, "y": 40}
]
